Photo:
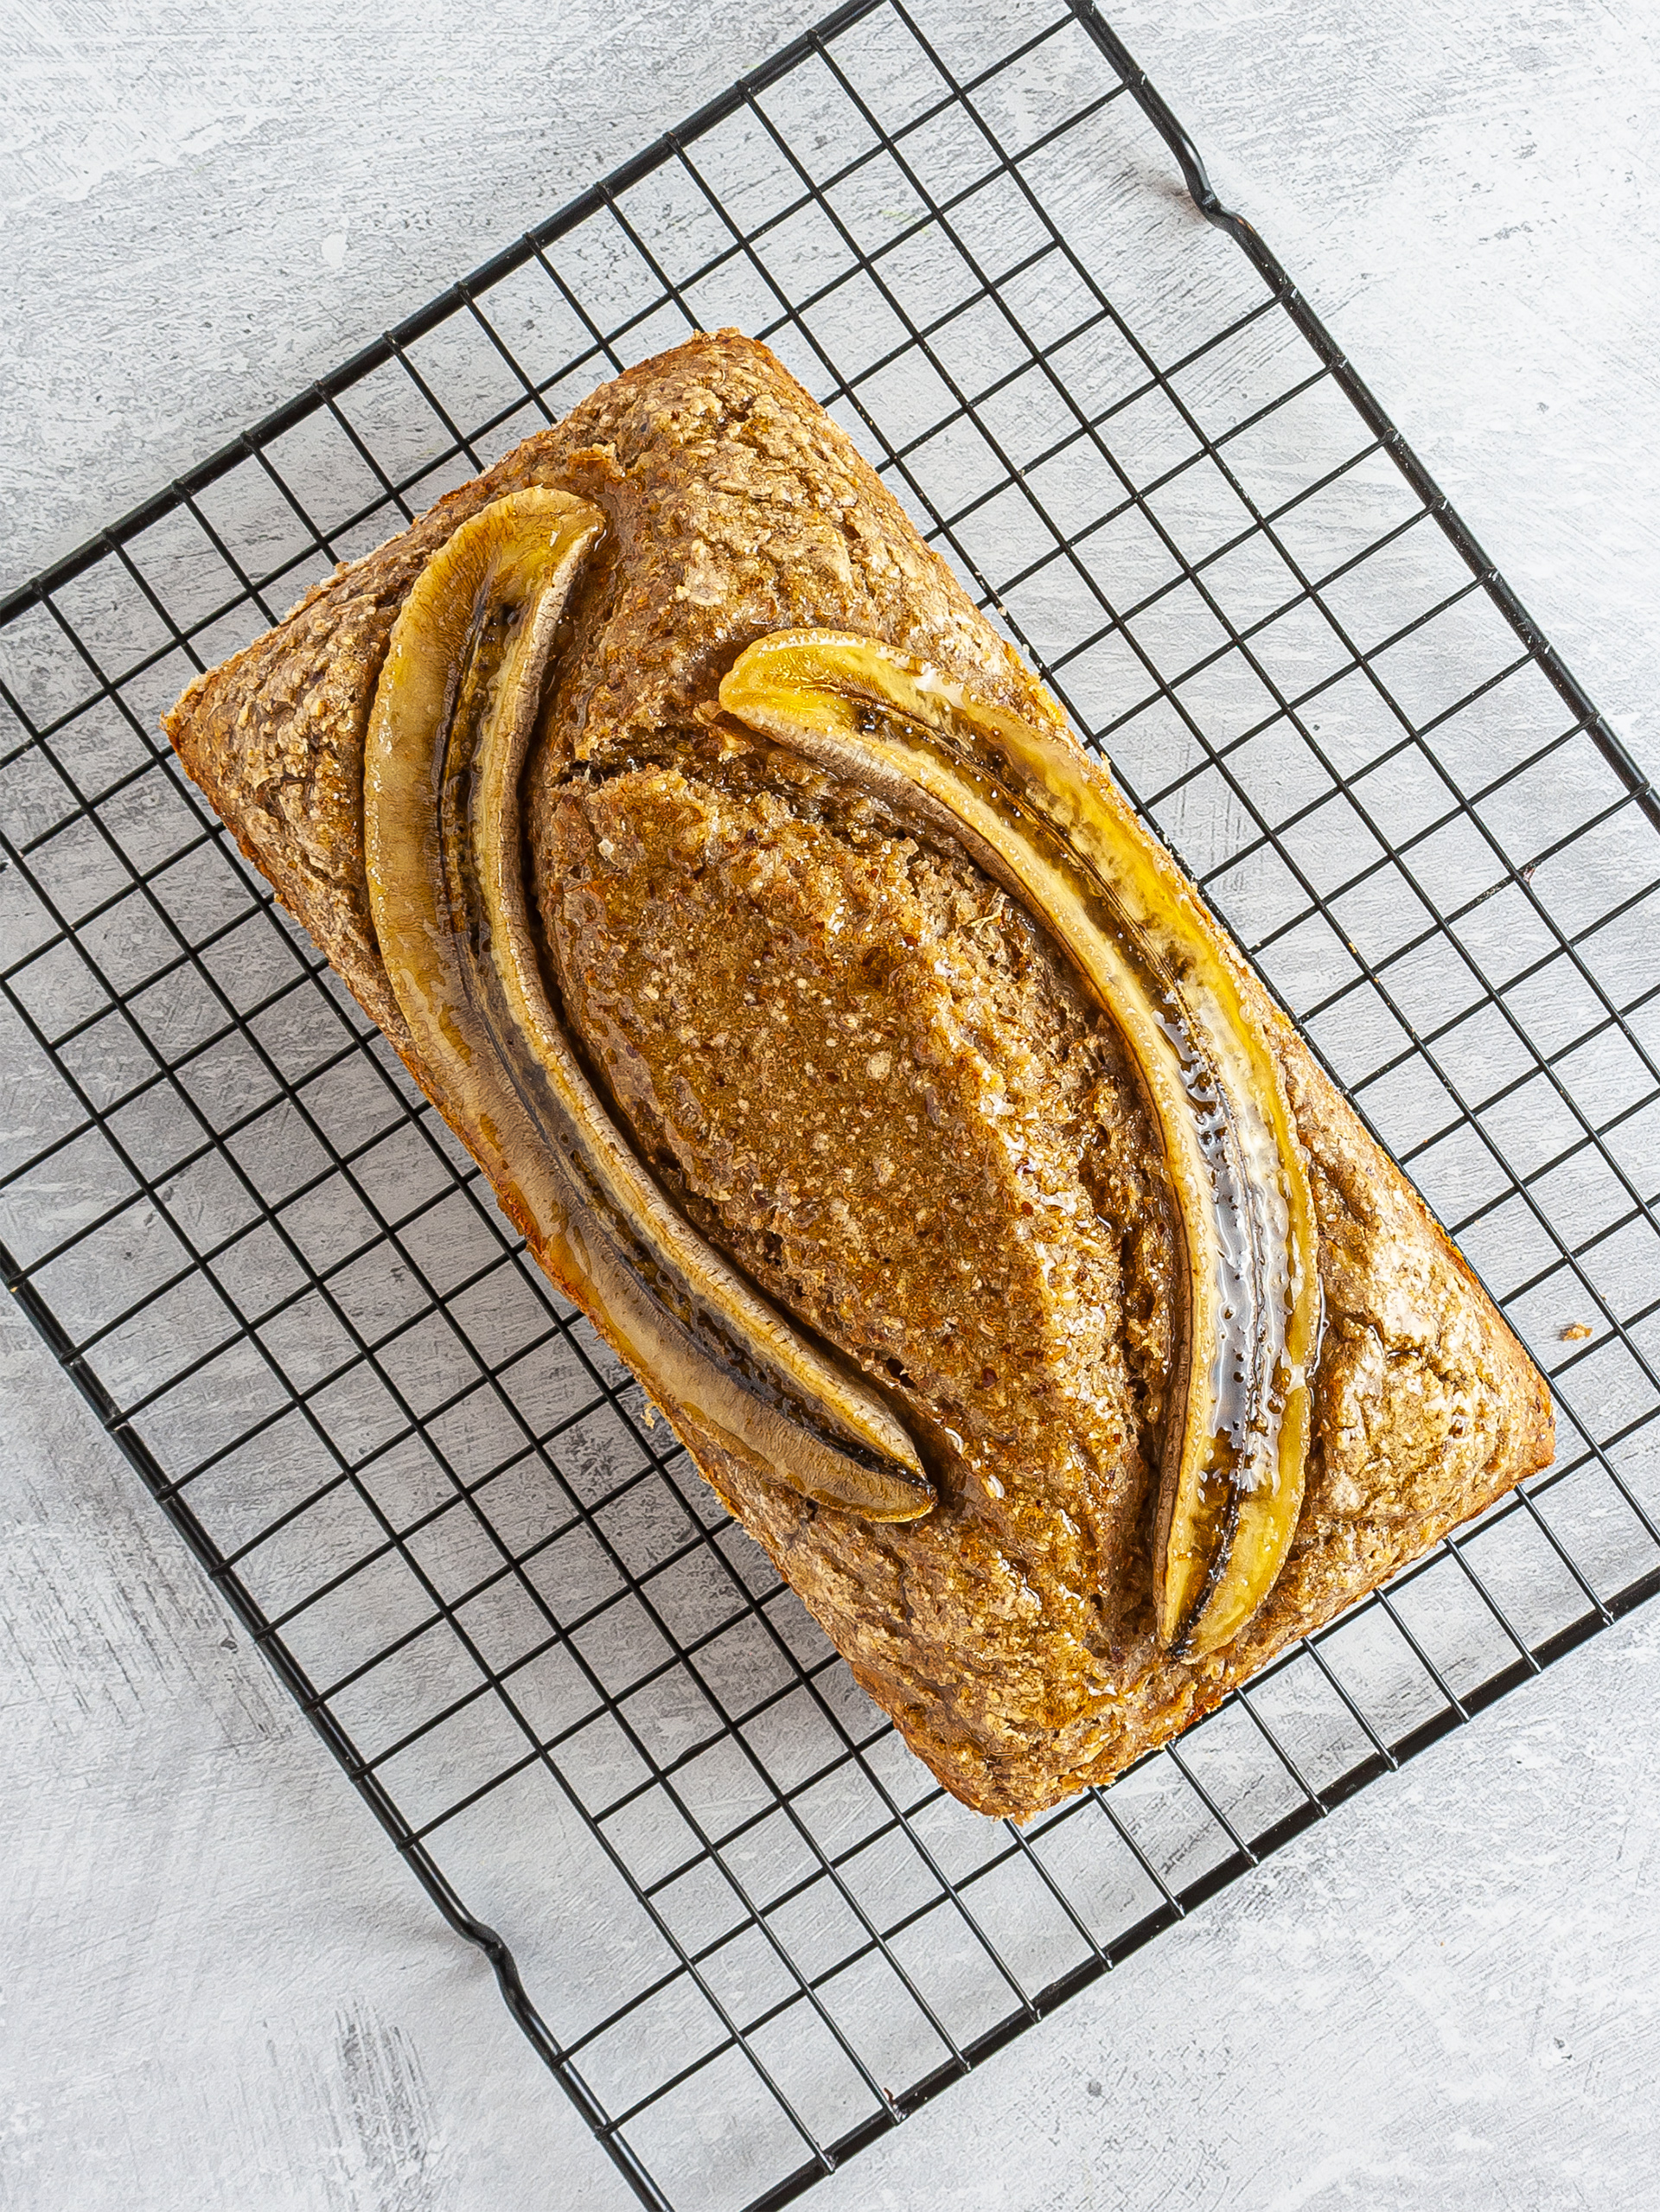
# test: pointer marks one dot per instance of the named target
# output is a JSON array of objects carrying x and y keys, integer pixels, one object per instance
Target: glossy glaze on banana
[
  {"x": 453, "y": 714},
  {"x": 1046, "y": 823}
]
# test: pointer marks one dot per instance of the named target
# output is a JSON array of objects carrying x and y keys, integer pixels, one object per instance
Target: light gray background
[{"x": 220, "y": 1988}]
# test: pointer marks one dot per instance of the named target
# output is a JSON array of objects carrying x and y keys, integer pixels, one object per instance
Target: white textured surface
[{"x": 220, "y": 1989}]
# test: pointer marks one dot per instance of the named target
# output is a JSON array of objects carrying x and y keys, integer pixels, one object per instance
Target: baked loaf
[{"x": 869, "y": 1078}]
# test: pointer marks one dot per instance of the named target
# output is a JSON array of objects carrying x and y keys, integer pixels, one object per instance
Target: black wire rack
[{"x": 746, "y": 1929}]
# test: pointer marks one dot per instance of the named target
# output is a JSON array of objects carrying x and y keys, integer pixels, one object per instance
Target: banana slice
[
  {"x": 452, "y": 719},
  {"x": 1045, "y": 822}
]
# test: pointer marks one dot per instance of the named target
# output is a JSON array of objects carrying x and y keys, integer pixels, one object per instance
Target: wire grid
[{"x": 740, "y": 1921}]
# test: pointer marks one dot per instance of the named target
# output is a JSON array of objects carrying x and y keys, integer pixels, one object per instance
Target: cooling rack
[{"x": 744, "y": 1928}]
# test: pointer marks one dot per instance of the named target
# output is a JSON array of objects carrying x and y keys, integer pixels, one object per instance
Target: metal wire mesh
[{"x": 742, "y": 1925}]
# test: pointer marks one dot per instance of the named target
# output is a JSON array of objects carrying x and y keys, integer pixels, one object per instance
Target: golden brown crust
[{"x": 736, "y": 507}]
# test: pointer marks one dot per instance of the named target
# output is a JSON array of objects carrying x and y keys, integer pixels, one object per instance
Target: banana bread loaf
[{"x": 869, "y": 1079}]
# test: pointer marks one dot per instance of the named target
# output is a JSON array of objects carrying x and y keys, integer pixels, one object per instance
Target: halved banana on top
[
  {"x": 451, "y": 722},
  {"x": 453, "y": 715},
  {"x": 1046, "y": 822}
]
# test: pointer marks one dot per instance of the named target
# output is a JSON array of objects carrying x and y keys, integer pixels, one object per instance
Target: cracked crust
[{"x": 874, "y": 1083}]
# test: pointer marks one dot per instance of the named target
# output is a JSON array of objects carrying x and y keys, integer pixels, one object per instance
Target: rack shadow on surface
[{"x": 745, "y": 1927}]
